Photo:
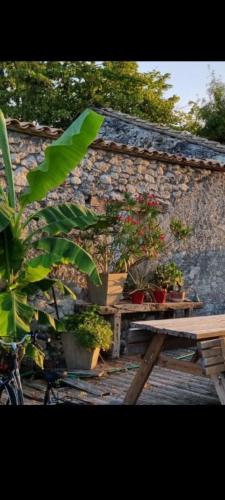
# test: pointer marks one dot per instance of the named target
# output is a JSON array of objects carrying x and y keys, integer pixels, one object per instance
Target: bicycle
[{"x": 11, "y": 391}]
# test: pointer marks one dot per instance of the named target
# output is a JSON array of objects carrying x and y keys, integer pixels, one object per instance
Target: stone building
[{"x": 186, "y": 172}]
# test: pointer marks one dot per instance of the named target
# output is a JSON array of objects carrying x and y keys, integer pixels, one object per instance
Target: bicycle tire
[{"x": 8, "y": 395}]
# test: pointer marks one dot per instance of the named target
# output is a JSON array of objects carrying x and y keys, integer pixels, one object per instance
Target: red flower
[{"x": 162, "y": 237}]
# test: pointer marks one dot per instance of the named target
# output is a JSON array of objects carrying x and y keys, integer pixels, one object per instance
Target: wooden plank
[
  {"x": 116, "y": 335},
  {"x": 85, "y": 386},
  {"x": 212, "y": 370},
  {"x": 206, "y": 344},
  {"x": 176, "y": 364},
  {"x": 222, "y": 343},
  {"x": 208, "y": 353},
  {"x": 145, "y": 369},
  {"x": 197, "y": 327},
  {"x": 213, "y": 360},
  {"x": 127, "y": 307},
  {"x": 219, "y": 382}
]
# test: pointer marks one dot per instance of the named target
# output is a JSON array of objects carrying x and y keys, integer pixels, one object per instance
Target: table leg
[
  {"x": 116, "y": 335},
  {"x": 195, "y": 357},
  {"x": 145, "y": 369},
  {"x": 187, "y": 312}
]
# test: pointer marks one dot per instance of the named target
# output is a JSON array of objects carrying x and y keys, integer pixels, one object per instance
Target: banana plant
[{"x": 21, "y": 276}]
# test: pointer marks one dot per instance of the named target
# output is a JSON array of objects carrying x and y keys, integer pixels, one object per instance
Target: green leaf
[
  {"x": 62, "y": 157},
  {"x": 48, "y": 320},
  {"x": 6, "y": 215},
  {"x": 33, "y": 288},
  {"x": 4, "y": 146},
  {"x": 60, "y": 251},
  {"x": 11, "y": 253},
  {"x": 15, "y": 313},
  {"x": 36, "y": 354},
  {"x": 65, "y": 217}
]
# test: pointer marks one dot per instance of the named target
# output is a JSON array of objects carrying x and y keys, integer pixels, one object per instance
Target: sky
[{"x": 189, "y": 78}]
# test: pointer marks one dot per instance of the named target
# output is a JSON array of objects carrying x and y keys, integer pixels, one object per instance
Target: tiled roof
[
  {"x": 31, "y": 128},
  {"x": 149, "y": 154},
  {"x": 162, "y": 129}
]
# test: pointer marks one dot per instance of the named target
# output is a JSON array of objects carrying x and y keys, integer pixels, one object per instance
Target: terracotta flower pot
[
  {"x": 160, "y": 295},
  {"x": 137, "y": 297}
]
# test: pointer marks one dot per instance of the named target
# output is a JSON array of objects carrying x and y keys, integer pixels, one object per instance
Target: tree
[
  {"x": 206, "y": 118},
  {"x": 54, "y": 92},
  {"x": 212, "y": 113}
]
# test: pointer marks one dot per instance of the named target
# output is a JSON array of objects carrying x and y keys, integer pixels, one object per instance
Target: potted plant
[
  {"x": 176, "y": 282},
  {"x": 86, "y": 334},
  {"x": 166, "y": 277},
  {"x": 137, "y": 284},
  {"x": 127, "y": 233}
]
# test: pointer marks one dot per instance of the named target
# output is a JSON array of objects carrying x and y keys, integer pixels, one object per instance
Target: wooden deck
[{"x": 113, "y": 378}]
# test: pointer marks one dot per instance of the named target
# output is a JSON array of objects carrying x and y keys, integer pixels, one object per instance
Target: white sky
[{"x": 189, "y": 78}]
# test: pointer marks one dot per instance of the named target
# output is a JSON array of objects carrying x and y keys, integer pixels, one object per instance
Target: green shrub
[{"x": 90, "y": 329}]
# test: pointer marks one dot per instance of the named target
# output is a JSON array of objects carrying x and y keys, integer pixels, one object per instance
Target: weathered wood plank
[
  {"x": 200, "y": 327},
  {"x": 85, "y": 386},
  {"x": 116, "y": 335},
  {"x": 213, "y": 370},
  {"x": 213, "y": 360},
  {"x": 176, "y": 364},
  {"x": 206, "y": 344},
  {"x": 208, "y": 353}
]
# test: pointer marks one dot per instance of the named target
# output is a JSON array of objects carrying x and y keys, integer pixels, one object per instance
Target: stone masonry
[{"x": 196, "y": 195}]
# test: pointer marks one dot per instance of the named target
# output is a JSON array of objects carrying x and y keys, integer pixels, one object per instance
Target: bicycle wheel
[{"x": 7, "y": 395}]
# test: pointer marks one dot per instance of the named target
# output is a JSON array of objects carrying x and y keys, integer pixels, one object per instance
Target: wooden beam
[
  {"x": 182, "y": 366},
  {"x": 116, "y": 335},
  {"x": 145, "y": 369}
]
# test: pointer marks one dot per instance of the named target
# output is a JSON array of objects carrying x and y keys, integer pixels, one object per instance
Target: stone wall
[{"x": 194, "y": 195}]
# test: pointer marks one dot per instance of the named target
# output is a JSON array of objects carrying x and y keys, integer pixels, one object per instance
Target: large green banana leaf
[
  {"x": 4, "y": 146},
  {"x": 65, "y": 217},
  {"x": 62, "y": 156},
  {"x": 11, "y": 253},
  {"x": 15, "y": 313},
  {"x": 59, "y": 251}
]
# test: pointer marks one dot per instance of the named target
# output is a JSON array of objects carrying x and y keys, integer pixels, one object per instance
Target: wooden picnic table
[
  {"x": 124, "y": 307},
  {"x": 207, "y": 331}
]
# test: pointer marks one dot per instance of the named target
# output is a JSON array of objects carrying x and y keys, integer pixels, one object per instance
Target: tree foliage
[
  {"x": 206, "y": 117},
  {"x": 59, "y": 91}
]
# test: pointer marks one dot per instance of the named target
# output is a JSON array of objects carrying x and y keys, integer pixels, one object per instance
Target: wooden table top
[{"x": 198, "y": 327}]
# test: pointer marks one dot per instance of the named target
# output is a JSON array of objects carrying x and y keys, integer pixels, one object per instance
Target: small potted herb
[
  {"x": 166, "y": 277},
  {"x": 137, "y": 285},
  {"x": 86, "y": 333}
]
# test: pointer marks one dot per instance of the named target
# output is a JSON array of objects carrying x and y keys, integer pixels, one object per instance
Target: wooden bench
[{"x": 212, "y": 354}]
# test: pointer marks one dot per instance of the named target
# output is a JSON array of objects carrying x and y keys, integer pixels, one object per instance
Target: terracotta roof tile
[
  {"x": 31, "y": 128},
  {"x": 149, "y": 154}
]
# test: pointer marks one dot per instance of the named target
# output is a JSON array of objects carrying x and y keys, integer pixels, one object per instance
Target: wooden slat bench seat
[{"x": 212, "y": 353}]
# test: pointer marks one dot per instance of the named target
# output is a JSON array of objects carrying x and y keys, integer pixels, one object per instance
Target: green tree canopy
[
  {"x": 206, "y": 117},
  {"x": 54, "y": 92}
]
